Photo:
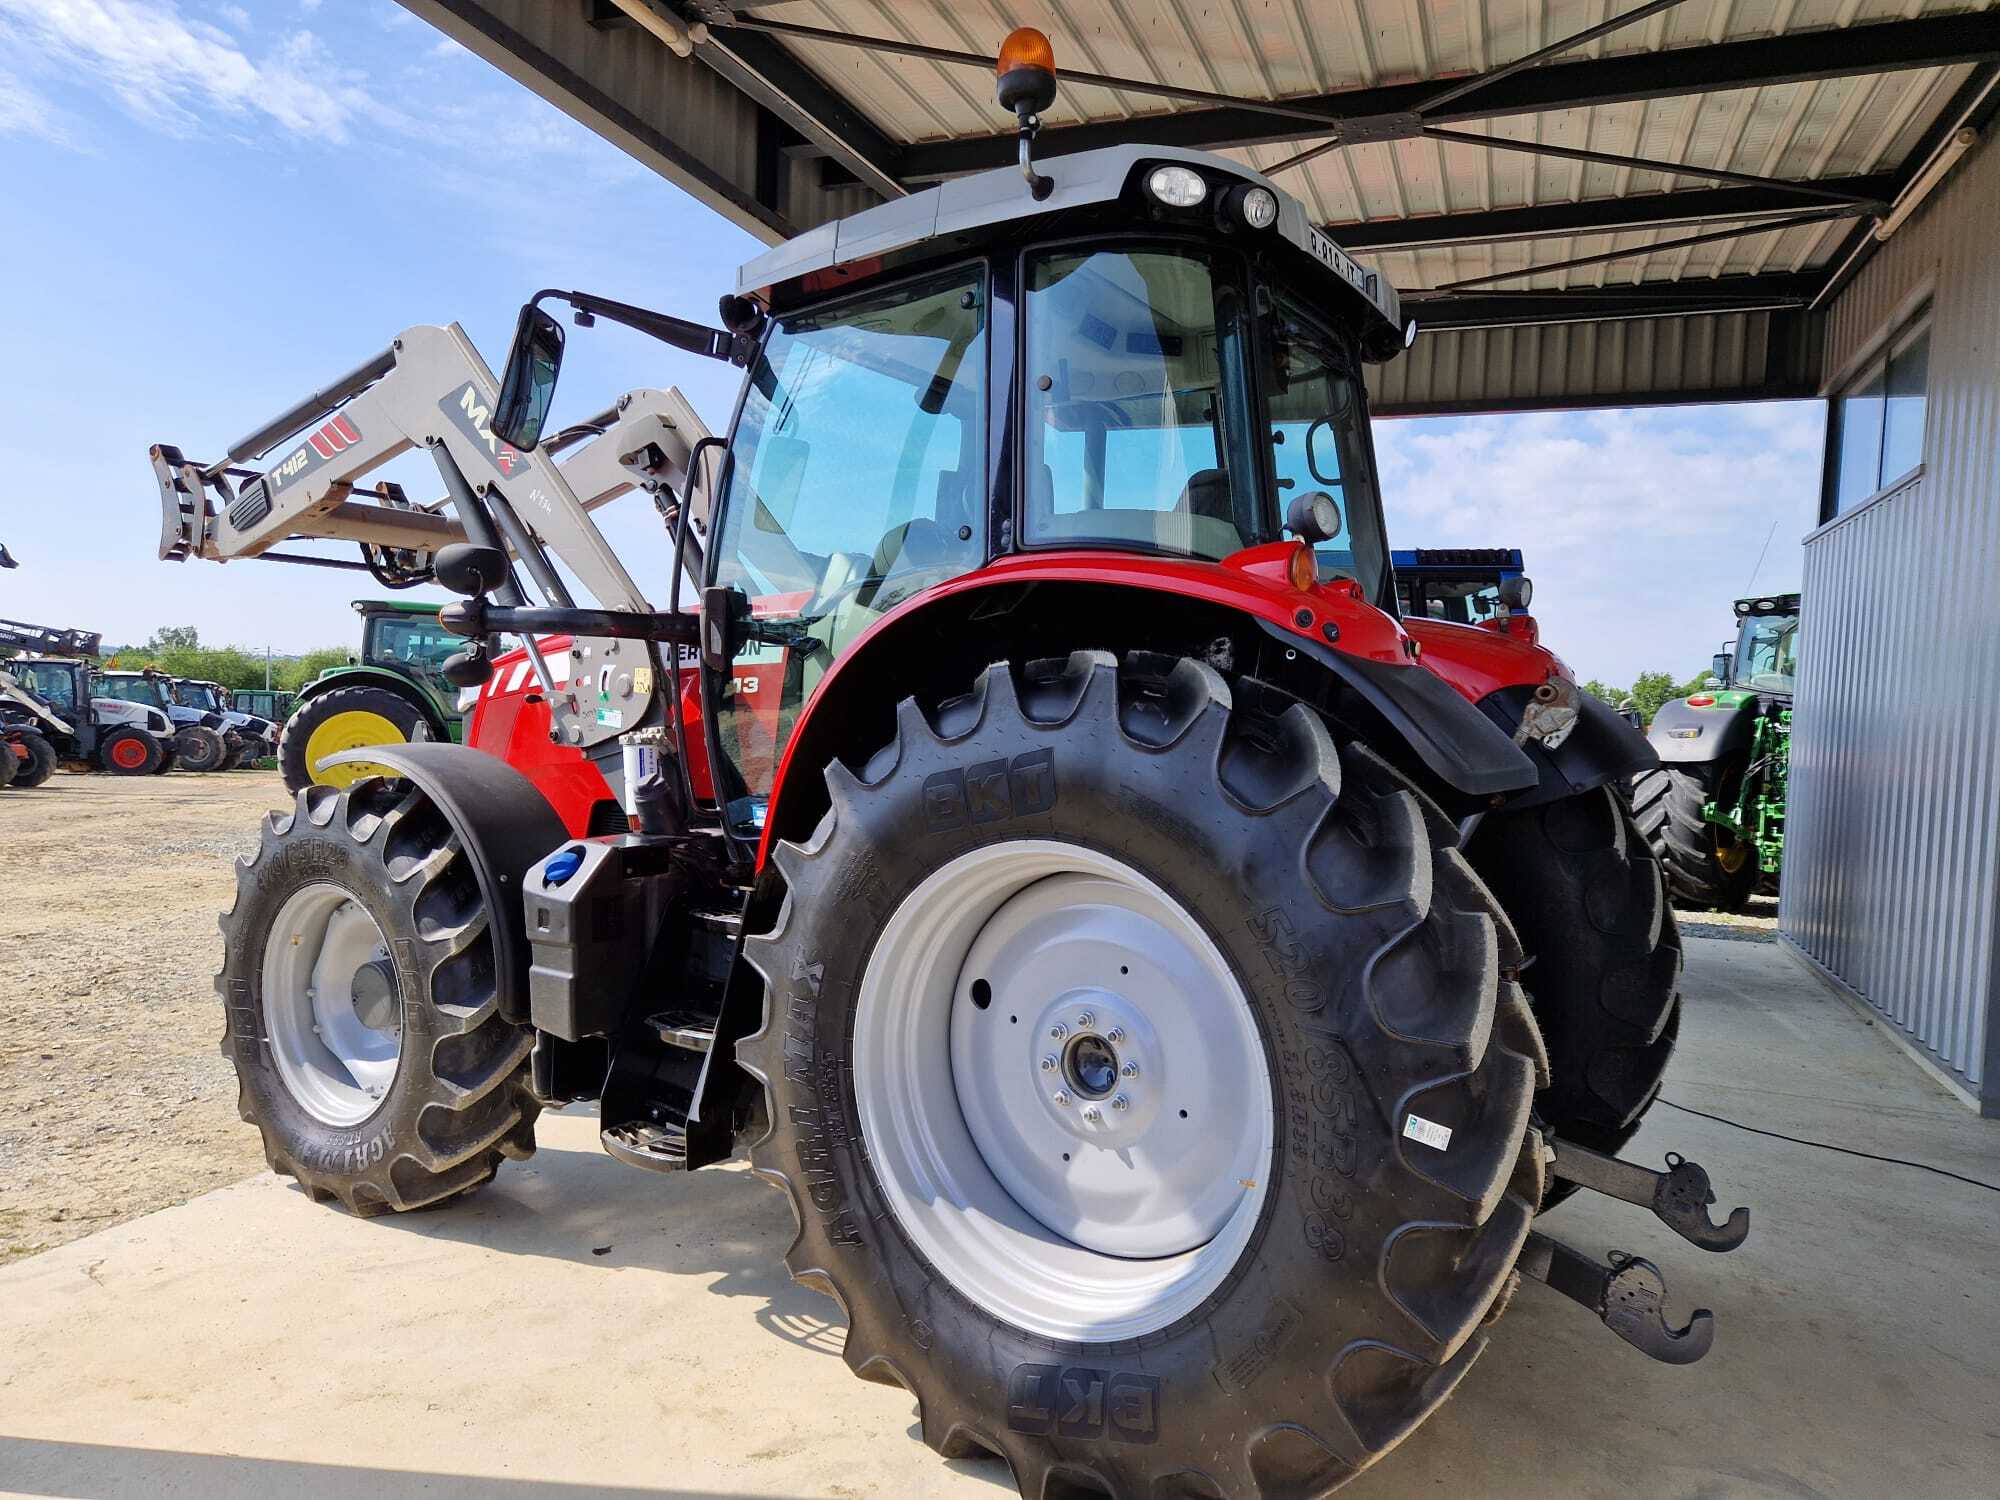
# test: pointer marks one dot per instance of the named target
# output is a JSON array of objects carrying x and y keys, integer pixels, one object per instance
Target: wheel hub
[
  {"x": 332, "y": 1012},
  {"x": 1063, "y": 1090}
]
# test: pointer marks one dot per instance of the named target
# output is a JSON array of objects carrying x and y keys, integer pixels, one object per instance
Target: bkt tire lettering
[
  {"x": 991, "y": 791},
  {"x": 1074, "y": 1402}
]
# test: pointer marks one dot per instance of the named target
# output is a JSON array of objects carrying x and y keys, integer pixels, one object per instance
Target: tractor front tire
[
  {"x": 1139, "y": 1066},
  {"x": 200, "y": 748},
  {"x": 130, "y": 751},
  {"x": 344, "y": 718},
  {"x": 360, "y": 1007},
  {"x": 1705, "y": 865},
  {"x": 37, "y": 759},
  {"x": 1588, "y": 900}
]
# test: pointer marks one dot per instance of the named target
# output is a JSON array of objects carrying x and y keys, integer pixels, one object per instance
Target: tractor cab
[
  {"x": 1154, "y": 363},
  {"x": 1764, "y": 658}
]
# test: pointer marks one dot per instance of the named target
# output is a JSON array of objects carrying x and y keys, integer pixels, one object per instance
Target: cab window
[{"x": 1138, "y": 417}]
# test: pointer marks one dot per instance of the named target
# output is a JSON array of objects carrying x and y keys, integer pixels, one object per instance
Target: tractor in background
[
  {"x": 202, "y": 742},
  {"x": 1465, "y": 585},
  {"x": 1714, "y": 808},
  {"x": 56, "y": 700},
  {"x": 255, "y": 738},
  {"x": 394, "y": 693},
  {"x": 274, "y": 704}
]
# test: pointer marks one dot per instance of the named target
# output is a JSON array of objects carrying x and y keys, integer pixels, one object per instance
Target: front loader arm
[{"x": 429, "y": 389}]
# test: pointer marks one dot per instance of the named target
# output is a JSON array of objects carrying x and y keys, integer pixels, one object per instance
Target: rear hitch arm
[
  {"x": 1628, "y": 1294},
  {"x": 1679, "y": 1197}
]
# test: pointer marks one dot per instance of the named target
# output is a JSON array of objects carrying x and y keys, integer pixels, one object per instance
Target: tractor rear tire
[
  {"x": 1309, "y": 966},
  {"x": 1702, "y": 870},
  {"x": 130, "y": 751},
  {"x": 360, "y": 1007},
  {"x": 200, "y": 748},
  {"x": 13, "y": 764},
  {"x": 36, "y": 757},
  {"x": 344, "y": 719},
  {"x": 1603, "y": 977}
]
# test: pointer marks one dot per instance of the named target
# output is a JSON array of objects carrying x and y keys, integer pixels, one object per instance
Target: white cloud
[
  {"x": 175, "y": 72},
  {"x": 1638, "y": 527}
]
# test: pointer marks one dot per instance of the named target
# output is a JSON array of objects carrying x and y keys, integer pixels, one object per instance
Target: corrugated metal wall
[
  {"x": 1894, "y": 832},
  {"x": 1714, "y": 357}
]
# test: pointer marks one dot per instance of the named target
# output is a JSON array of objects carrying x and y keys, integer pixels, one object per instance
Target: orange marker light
[
  {"x": 1304, "y": 567},
  {"x": 1025, "y": 47}
]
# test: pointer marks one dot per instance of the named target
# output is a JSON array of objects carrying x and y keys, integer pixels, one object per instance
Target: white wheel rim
[
  {"x": 969, "y": 1111},
  {"x": 333, "y": 1063}
]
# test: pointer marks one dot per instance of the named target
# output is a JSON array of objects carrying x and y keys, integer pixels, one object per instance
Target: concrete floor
[{"x": 584, "y": 1329}]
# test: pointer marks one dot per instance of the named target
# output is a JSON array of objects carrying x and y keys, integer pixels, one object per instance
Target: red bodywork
[{"x": 512, "y": 722}]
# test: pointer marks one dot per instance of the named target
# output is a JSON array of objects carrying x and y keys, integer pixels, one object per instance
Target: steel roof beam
[
  {"x": 1648, "y": 299},
  {"x": 1541, "y": 221},
  {"x": 1793, "y": 57}
]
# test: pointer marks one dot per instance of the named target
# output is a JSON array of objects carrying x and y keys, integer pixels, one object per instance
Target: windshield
[
  {"x": 1138, "y": 424},
  {"x": 857, "y": 479},
  {"x": 1463, "y": 601},
  {"x": 414, "y": 643},
  {"x": 132, "y": 689},
  {"x": 1767, "y": 653},
  {"x": 1318, "y": 430},
  {"x": 194, "y": 695}
]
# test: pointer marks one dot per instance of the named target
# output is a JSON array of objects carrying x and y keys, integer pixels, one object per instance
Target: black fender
[
  {"x": 504, "y": 825},
  {"x": 1601, "y": 748},
  {"x": 1456, "y": 742},
  {"x": 383, "y": 676},
  {"x": 1701, "y": 736}
]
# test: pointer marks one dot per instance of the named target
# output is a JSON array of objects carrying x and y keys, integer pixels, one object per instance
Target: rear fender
[
  {"x": 938, "y": 642},
  {"x": 1602, "y": 747},
  {"x": 504, "y": 826},
  {"x": 1681, "y": 735}
]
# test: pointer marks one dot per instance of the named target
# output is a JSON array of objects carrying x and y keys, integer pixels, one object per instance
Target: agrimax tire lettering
[
  {"x": 1323, "y": 1118},
  {"x": 1073, "y": 1401},
  {"x": 1286, "y": 958}
]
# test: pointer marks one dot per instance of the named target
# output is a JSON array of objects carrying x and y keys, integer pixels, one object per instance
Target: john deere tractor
[
  {"x": 1101, "y": 918},
  {"x": 394, "y": 695},
  {"x": 1714, "y": 809}
]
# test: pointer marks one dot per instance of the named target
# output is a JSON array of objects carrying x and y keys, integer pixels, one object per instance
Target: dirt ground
[{"x": 114, "y": 1099}]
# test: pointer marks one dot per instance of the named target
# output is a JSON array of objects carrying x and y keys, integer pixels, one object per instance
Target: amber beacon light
[{"x": 1025, "y": 82}]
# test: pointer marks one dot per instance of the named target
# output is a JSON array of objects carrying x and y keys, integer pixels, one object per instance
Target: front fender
[
  {"x": 407, "y": 687},
  {"x": 504, "y": 826}
]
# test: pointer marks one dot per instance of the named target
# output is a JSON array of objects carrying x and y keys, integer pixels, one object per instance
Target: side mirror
[
  {"x": 470, "y": 569},
  {"x": 468, "y": 668},
  {"x": 529, "y": 383},
  {"x": 1517, "y": 592},
  {"x": 1718, "y": 668}
]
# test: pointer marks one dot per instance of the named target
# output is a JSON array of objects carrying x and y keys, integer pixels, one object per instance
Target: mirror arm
[
  {"x": 696, "y": 338},
  {"x": 475, "y": 617}
]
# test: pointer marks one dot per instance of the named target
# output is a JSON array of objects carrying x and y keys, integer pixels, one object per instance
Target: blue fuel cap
[{"x": 561, "y": 866}]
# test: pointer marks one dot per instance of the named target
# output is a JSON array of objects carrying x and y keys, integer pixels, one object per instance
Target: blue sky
[{"x": 215, "y": 208}]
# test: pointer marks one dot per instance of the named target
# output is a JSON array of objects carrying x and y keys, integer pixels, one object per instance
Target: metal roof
[{"x": 1507, "y": 164}]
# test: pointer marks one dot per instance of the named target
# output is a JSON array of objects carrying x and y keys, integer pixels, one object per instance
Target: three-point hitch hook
[
  {"x": 1627, "y": 1293},
  {"x": 1679, "y": 1197}
]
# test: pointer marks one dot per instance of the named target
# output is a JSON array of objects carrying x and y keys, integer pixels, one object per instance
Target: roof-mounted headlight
[
  {"x": 1252, "y": 206},
  {"x": 1177, "y": 187}
]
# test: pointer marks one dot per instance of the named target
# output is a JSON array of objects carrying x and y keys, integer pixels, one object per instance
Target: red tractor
[{"x": 1165, "y": 986}]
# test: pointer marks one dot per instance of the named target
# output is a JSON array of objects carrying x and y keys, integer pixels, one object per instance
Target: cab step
[
  {"x": 727, "y": 923},
  {"x": 689, "y": 1032},
  {"x": 649, "y": 1144}
]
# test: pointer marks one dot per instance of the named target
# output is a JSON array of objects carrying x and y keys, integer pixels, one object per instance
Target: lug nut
[
  {"x": 1086, "y": 1019},
  {"x": 1115, "y": 1034},
  {"x": 1062, "y": 1097},
  {"x": 1049, "y": 1063},
  {"x": 1092, "y": 1113},
  {"x": 1121, "y": 1102},
  {"x": 1130, "y": 1070},
  {"x": 1058, "y": 1031}
]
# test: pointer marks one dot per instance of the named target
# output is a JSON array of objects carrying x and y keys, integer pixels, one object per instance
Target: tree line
[
  {"x": 177, "y": 650},
  {"x": 1648, "y": 691}
]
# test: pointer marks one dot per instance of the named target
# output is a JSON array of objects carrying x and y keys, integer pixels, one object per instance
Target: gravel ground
[
  {"x": 1756, "y": 923},
  {"x": 114, "y": 1099}
]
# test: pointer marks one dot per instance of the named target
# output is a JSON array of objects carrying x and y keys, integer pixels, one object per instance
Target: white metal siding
[{"x": 1894, "y": 841}]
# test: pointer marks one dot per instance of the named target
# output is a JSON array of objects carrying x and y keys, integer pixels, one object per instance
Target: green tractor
[
  {"x": 395, "y": 694},
  {"x": 1714, "y": 810}
]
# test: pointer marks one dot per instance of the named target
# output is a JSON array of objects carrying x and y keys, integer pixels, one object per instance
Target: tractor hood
[{"x": 1478, "y": 662}]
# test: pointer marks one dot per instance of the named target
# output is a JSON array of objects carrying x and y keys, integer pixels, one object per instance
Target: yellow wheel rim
[
  {"x": 349, "y": 731},
  {"x": 1730, "y": 851}
]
